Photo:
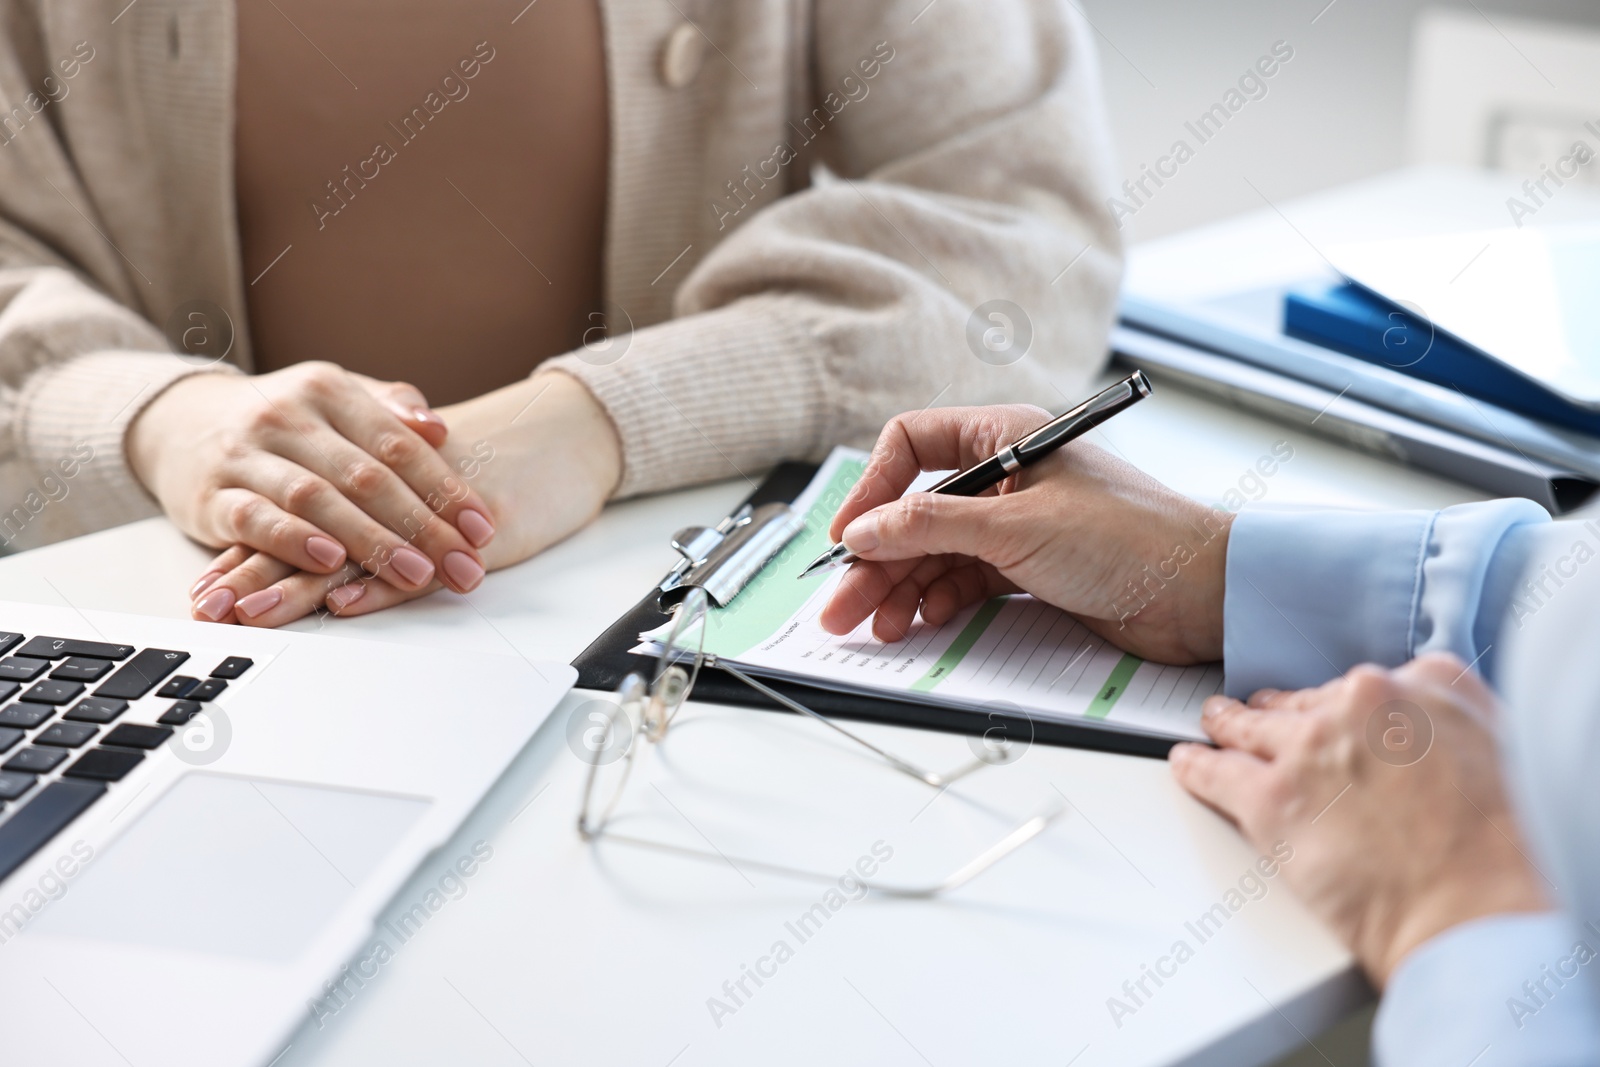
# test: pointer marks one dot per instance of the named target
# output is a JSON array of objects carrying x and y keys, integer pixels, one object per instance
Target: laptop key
[
  {"x": 13, "y": 785},
  {"x": 32, "y": 826},
  {"x": 8, "y": 690},
  {"x": 180, "y": 713},
  {"x": 7, "y": 640},
  {"x": 66, "y": 734},
  {"x": 22, "y": 668},
  {"x": 61, "y": 647},
  {"x": 104, "y": 764},
  {"x": 135, "y": 735},
  {"x": 54, "y": 691},
  {"x": 34, "y": 760},
  {"x": 141, "y": 674},
  {"x": 96, "y": 709},
  {"x": 232, "y": 667},
  {"x": 210, "y": 689},
  {"x": 9, "y": 736},
  {"x": 177, "y": 687},
  {"x": 25, "y": 715},
  {"x": 82, "y": 669}
]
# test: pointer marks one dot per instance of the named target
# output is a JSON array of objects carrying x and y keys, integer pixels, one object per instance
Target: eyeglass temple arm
[{"x": 929, "y": 777}]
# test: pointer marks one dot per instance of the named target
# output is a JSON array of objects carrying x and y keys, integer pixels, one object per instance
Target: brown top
[{"x": 442, "y": 201}]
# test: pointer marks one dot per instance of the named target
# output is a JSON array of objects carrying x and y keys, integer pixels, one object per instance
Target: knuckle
[
  {"x": 1279, "y": 792},
  {"x": 1026, "y": 415},
  {"x": 400, "y": 390},
  {"x": 987, "y": 434},
  {"x": 1232, "y": 725},
  {"x": 242, "y": 513},
  {"x": 265, "y": 419},
  {"x": 365, "y": 480},
  {"x": 396, "y": 449},
  {"x": 916, "y": 514},
  {"x": 1319, "y": 731},
  {"x": 320, "y": 378},
  {"x": 282, "y": 535},
  {"x": 1367, "y": 685},
  {"x": 235, "y": 449},
  {"x": 303, "y": 493}
]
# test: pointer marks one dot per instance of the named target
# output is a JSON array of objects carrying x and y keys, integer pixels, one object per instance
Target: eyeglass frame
[{"x": 658, "y": 702}]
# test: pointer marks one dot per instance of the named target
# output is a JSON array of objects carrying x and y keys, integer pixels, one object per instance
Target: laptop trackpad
[{"x": 233, "y": 866}]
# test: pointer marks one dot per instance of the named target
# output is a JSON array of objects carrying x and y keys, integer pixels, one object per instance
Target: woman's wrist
[
  {"x": 553, "y": 424},
  {"x": 600, "y": 444},
  {"x": 149, "y": 431}
]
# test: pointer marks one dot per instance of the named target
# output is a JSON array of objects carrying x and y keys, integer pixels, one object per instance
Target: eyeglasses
[{"x": 646, "y": 709}]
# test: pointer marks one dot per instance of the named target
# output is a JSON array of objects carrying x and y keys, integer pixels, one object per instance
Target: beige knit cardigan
[{"x": 778, "y": 308}]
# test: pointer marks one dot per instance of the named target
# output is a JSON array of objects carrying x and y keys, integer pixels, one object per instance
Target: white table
[{"x": 558, "y": 952}]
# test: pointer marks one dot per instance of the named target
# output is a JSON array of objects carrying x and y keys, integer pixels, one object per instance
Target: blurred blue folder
[{"x": 1350, "y": 319}]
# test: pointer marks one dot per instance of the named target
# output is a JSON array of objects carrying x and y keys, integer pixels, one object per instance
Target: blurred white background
[{"x": 1338, "y": 110}]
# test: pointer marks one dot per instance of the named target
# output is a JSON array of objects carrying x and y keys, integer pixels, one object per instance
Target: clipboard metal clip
[{"x": 722, "y": 559}]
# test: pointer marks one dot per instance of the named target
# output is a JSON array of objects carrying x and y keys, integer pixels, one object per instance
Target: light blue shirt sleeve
[
  {"x": 1505, "y": 991},
  {"x": 1312, "y": 593}
]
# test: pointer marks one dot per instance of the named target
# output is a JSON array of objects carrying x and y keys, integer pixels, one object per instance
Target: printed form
[{"x": 1009, "y": 654}]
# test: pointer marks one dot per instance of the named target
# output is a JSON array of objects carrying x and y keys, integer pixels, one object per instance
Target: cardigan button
[{"x": 681, "y": 55}]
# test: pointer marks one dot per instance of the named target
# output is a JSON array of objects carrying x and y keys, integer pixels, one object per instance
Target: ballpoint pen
[{"x": 1024, "y": 453}]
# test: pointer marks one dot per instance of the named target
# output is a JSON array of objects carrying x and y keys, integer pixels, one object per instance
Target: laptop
[{"x": 201, "y": 823}]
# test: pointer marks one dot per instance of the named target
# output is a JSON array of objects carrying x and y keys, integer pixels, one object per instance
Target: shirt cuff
[
  {"x": 78, "y": 412},
  {"x": 1312, "y": 593},
  {"x": 1495, "y": 992}
]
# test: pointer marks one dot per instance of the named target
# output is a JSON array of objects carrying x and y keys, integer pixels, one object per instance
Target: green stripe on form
[
  {"x": 960, "y": 646},
  {"x": 1115, "y": 686}
]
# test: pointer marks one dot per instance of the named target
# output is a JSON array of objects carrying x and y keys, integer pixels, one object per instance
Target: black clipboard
[{"x": 607, "y": 661}]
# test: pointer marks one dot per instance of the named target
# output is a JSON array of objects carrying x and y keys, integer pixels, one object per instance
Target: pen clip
[{"x": 1092, "y": 412}]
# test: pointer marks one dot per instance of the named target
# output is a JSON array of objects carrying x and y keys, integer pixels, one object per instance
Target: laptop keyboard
[{"x": 60, "y": 743}]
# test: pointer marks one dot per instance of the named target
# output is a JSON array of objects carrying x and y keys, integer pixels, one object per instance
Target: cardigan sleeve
[
  {"x": 86, "y": 245},
  {"x": 75, "y": 368},
  {"x": 956, "y": 248}
]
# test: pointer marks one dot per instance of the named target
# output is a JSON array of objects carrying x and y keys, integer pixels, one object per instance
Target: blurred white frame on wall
[{"x": 1511, "y": 94}]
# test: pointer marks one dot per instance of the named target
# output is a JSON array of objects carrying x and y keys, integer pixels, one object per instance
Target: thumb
[{"x": 929, "y": 524}]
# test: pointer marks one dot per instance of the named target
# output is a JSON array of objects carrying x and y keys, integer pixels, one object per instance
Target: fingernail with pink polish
[
  {"x": 327, "y": 552},
  {"x": 205, "y": 580},
  {"x": 412, "y": 565},
  {"x": 215, "y": 604},
  {"x": 259, "y": 601},
  {"x": 475, "y": 527},
  {"x": 427, "y": 415},
  {"x": 346, "y": 595},
  {"x": 463, "y": 570}
]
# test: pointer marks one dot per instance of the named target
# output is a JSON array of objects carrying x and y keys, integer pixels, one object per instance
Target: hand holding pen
[
  {"x": 1024, "y": 452},
  {"x": 1082, "y": 530}
]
